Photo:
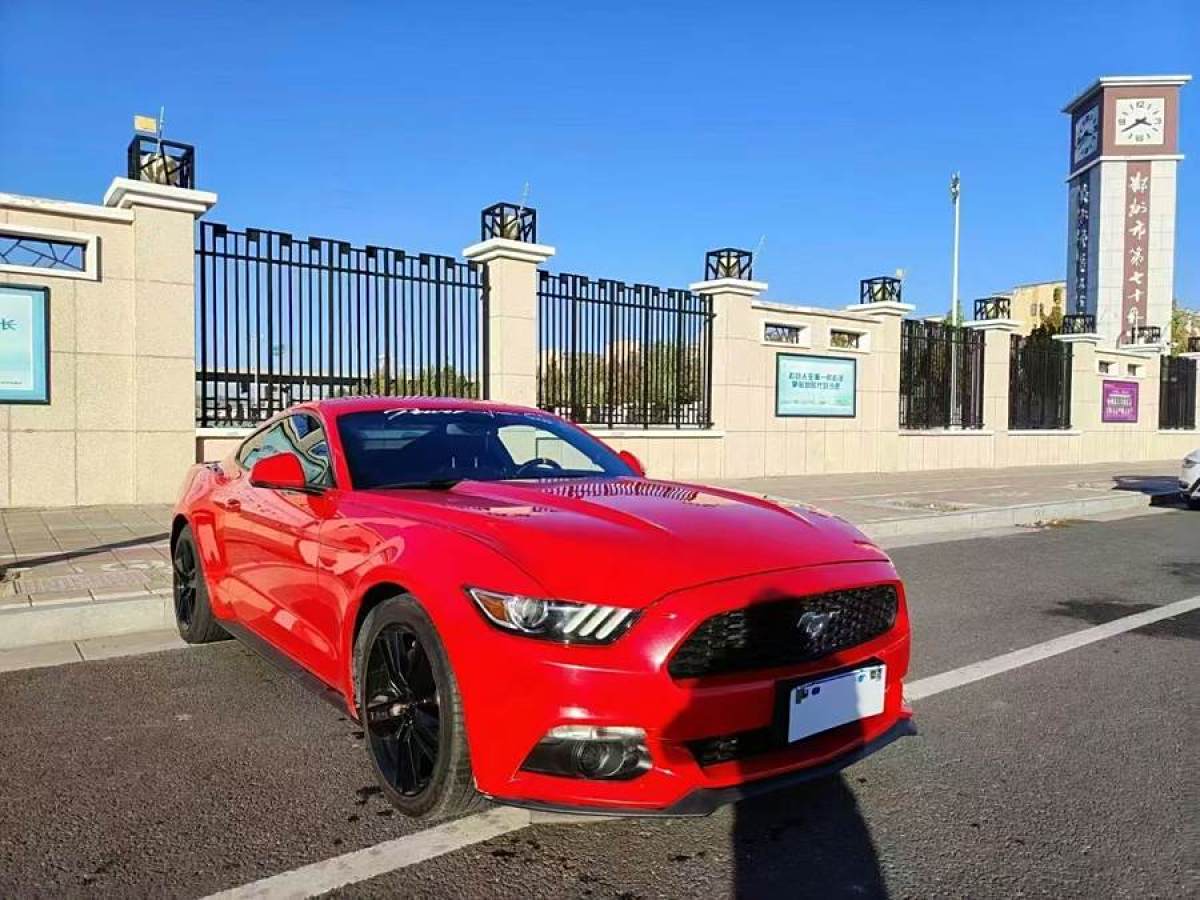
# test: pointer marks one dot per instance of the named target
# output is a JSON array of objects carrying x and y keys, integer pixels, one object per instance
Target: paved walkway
[
  {"x": 51, "y": 556},
  {"x": 60, "y": 556}
]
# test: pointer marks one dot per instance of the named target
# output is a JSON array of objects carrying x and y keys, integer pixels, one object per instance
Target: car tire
[
  {"x": 189, "y": 589},
  {"x": 399, "y": 643}
]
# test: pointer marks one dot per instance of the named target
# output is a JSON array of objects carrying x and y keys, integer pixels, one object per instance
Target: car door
[{"x": 271, "y": 541}]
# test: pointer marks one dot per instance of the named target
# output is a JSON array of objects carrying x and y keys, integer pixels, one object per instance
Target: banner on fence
[
  {"x": 815, "y": 386},
  {"x": 1119, "y": 401}
]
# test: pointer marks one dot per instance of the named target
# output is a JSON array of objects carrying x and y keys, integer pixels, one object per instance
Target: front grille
[{"x": 785, "y": 632}]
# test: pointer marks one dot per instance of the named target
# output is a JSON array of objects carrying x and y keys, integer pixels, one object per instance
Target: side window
[
  {"x": 300, "y": 435},
  {"x": 310, "y": 445}
]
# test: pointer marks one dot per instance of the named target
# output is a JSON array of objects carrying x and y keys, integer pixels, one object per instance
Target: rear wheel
[
  {"x": 411, "y": 713},
  {"x": 193, "y": 614}
]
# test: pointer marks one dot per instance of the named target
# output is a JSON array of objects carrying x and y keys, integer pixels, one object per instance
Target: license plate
[{"x": 817, "y": 706}]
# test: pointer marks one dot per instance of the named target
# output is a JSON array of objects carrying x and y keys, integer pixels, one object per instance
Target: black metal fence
[
  {"x": 281, "y": 319},
  {"x": 1177, "y": 393},
  {"x": 624, "y": 355},
  {"x": 1039, "y": 382},
  {"x": 941, "y": 376}
]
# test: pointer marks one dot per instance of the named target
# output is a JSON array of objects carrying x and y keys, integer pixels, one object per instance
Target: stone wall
[{"x": 120, "y": 425}]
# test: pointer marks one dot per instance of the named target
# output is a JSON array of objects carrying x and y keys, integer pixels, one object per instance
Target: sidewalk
[
  {"x": 69, "y": 575},
  {"x": 900, "y": 504}
]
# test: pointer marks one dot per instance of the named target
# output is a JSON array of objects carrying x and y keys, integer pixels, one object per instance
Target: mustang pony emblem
[{"x": 813, "y": 624}]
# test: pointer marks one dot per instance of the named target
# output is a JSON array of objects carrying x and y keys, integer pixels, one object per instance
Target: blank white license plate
[{"x": 817, "y": 706}]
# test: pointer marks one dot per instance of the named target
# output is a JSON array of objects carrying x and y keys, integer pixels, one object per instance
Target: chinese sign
[
  {"x": 1137, "y": 223},
  {"x": 1083, "y": 215},
  {"x": 24, "y": 340},
  {"x": 1119, "y": 401},
  {"x": 815, "y": 386}
]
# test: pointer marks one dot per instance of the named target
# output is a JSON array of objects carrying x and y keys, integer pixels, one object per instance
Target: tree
[
  {"x": 1185, "y": 323},
  {"x": 1053, "y": 321}
]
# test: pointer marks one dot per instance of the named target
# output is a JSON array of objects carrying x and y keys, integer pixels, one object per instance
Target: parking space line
[
  {"x": 936, "y": 684},
  {"x": 370, "y": 862},
  {"x": 389, "y": 856}
]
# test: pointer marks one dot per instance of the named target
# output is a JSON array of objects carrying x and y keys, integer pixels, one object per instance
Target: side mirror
[
  {"x": 281, "y": 471},
  {"x": 633, "y": 462}
]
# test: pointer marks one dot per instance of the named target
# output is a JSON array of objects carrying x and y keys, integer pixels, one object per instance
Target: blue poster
[
  {"x": 815, "y": 386},
  {"x": 24, "y": 344}
]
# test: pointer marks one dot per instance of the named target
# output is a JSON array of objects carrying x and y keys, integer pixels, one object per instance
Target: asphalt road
[{"x": 187, "y": 772}]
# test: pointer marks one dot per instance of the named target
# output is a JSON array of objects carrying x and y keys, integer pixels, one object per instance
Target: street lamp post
[{"x": 955, "y": 311}]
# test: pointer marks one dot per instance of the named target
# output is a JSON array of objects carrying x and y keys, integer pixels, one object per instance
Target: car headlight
[
  {"x": 1192, "y": 458},
  {"x": 553, "y": 620}
]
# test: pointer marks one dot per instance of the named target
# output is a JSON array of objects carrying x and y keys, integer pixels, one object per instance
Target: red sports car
[{"x": 514, "y": 611}]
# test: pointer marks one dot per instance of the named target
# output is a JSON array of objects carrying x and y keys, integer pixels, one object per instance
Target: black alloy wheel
[
  {"x": 408, "y": 703},
  {"x": 184, "y": 583},
  {"x": 193, "y": 615},
  {"x": 403, "y": 710}
]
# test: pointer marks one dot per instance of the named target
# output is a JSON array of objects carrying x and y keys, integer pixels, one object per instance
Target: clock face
[
  {"x": 1139, "y": 121},
  {"x": 1087, "y": 133}
]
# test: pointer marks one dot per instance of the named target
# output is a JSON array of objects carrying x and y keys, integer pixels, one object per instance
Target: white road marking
[
  {"x": 371, "y": 862},
  {"x": 935, "y": 684}
]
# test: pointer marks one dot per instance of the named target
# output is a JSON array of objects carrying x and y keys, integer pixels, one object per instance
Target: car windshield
[{"x": 440, "y": 447}]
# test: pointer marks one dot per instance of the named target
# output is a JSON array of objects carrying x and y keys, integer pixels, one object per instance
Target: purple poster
[{"x": 1119, "y": 401}]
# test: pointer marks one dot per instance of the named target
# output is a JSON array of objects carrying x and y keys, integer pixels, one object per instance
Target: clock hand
[{"x": 1135, "y": 124}]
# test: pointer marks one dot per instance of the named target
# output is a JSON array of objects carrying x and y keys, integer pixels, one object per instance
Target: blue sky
[{"x": 648, "y": 132}]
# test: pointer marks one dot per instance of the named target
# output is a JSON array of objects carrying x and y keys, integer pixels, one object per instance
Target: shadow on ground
[{"x": 810, "y": 841}]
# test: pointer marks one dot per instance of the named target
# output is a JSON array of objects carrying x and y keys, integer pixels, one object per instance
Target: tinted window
[
  {"x": 410, "y": 446},
  {"x": 299, "y": 434}
]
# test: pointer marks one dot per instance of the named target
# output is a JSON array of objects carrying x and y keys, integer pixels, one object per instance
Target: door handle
[{"x": 232, "y": 504}]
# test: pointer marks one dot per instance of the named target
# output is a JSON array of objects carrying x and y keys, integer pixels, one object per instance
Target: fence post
[
  {"x": 511, "y": 309},
  {"x": 1085, "y": 377},
  {"x": 736, "y": 370},
  {"x": 164, "y": 331},
  {"x": 886, "y": 345},
  {"x": 996, "y": 358}
]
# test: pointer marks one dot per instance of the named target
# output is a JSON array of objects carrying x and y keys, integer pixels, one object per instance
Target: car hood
[{"x": 629, "y": 541}]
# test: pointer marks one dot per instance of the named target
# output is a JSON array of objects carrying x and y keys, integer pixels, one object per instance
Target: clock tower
[{"x": 1124, "y": 150}]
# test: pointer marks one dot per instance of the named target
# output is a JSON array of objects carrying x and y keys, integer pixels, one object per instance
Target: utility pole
[{"x": 955, "y": 311}]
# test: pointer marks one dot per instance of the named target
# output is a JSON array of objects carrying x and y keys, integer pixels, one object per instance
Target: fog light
[{"x": 593, "y": 752}]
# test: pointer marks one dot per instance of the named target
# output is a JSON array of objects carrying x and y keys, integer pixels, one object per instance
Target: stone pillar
[
  {"x": 512, "y": 284},
  {"x": 1085, "y": 388},
  {"x": 735, "y": 340},
  {"x": 886, "y": 344},
  {"x": 996, "y": 358},
  {"x": 164, "y": 332}
]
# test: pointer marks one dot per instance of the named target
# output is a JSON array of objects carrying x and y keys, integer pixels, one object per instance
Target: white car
[{"x": 1189, "y": 479}]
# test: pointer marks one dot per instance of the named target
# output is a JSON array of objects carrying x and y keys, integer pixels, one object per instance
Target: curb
[{"x": 1009, "y": 516}]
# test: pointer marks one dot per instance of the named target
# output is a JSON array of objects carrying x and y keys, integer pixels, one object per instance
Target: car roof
[{"x": 340, "y": 406}]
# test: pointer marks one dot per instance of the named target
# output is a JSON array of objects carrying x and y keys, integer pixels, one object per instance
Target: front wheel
[{"x": 411, "y": 713}]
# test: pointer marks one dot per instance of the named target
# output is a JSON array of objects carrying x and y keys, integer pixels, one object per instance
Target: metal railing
[
  {"x": 1145, "y": 334},
  {"x": 1079, "y": 323},
  {"x": 941, "y": 376},
  {"x": 883, "y": 289},
  {"x": 282, "y": 319},
  {"x": 1177, "y": 393},
  {"x": 509, "y": 221},
  {"x": 161, "y": 162},
  {"x": 624, "y": 355},
  {"x": 993, "y": 308},
  {"x": 1039, "y": 382}
]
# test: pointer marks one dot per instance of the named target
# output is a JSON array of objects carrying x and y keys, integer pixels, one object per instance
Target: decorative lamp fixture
[
  {"x": 883, "y": 289},
  {"x": 729, "y": 262},
  {"x": 510, "y": 221}
]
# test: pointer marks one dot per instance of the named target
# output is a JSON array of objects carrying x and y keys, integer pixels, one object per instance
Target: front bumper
[
  {"x": 705, "y": 801},
  {"x": 517, "y": 689}
]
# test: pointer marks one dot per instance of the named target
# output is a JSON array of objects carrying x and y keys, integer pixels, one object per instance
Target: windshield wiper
[{"x": 434, "y": 484}]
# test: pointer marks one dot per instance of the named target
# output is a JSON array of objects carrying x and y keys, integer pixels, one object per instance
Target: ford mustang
[{"x": 514, "y": 612}]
